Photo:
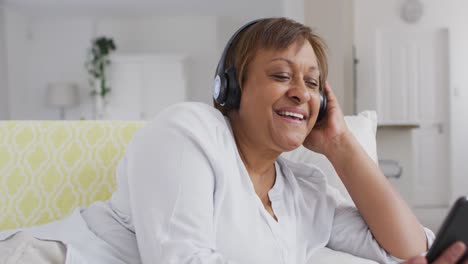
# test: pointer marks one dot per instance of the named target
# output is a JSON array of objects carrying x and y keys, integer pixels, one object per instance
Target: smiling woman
[
  {"x": 198, "y": 185},
  {"x": 275, "y": 79}
]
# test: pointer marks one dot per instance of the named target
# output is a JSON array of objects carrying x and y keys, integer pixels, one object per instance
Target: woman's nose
[{"x": 299, "y": 92}]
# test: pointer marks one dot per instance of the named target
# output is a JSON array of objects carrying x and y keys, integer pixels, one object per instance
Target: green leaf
[{"x": 98, "y": 59}]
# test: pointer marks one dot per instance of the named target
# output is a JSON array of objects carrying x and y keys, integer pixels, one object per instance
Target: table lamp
[{"x": 62, "y": 95}]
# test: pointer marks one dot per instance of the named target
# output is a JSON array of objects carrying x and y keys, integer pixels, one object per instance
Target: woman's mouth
[{"x": 291, "y": 115}]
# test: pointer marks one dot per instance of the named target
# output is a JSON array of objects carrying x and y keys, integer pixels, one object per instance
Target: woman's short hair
[{"x": 271, "y": 33}]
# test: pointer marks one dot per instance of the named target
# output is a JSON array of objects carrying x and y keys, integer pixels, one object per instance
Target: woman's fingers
[
  {"x": 452, "y": 254},
  {"x": 329, "y": 92}
]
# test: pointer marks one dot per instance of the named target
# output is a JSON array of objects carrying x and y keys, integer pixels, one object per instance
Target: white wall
[
  {"x": 295, "y": 9},
  {"x": 3, "y": 82},
  {"x": 142, "y": 8},
  {"x": 437, "y": 14},
  {"x": 17, "y": 64},
  {"x": 41, "y": 51},
  {"x": 52, "y": 49},
  {"x": 333, "y": 21},
  {"x": 193, "y": 36}
]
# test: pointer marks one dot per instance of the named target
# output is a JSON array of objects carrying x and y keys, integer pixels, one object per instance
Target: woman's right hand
[{"x": 450, "y": 256}]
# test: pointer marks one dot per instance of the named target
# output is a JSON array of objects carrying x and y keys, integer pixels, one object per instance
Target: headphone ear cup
[
  {"x": 219, "y": 89},
  {"x": 233, "y": 92},
  {"x": 323, "y": 105}
]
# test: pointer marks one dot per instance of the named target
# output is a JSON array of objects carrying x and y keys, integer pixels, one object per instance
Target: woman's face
[{"x": 280, "y": 97}]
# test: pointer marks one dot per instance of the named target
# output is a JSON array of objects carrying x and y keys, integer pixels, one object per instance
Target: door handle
[
  {"x": 390, "y": 168},
  {"x": 439, "y": 126}
]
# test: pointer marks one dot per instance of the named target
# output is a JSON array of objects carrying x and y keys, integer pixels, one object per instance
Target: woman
[{"x": 197, "y": 186}]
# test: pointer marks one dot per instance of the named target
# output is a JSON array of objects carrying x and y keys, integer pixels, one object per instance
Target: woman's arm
[
  {"x": 389, "y": 218},
  {"x": 171, "y": 186}
]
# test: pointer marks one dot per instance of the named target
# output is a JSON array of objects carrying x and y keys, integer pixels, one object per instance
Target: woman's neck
[{"x": 258, "y": 160}]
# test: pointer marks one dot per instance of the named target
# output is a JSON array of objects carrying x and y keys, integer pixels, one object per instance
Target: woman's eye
[
  {"x": 281, "y": 77},
  {"x": 312, "y": 84}
]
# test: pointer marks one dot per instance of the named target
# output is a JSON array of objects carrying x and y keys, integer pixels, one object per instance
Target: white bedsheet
[{"x": 75, "y": 234}]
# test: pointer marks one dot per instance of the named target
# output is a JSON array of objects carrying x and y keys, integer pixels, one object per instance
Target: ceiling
[{"x": 155, "y": 7}]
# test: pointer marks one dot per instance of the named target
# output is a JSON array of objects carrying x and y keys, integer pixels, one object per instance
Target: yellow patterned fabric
[{"x": 48, "y": 168}]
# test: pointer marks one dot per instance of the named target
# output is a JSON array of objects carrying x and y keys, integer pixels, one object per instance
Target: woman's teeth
[{"x": 291, "y": 114}]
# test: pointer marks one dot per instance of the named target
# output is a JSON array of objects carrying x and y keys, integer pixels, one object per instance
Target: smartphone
[{"x": 454, "y": 228}]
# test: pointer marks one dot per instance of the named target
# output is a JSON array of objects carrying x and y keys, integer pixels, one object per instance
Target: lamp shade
[{"x": 62, "y": 94}]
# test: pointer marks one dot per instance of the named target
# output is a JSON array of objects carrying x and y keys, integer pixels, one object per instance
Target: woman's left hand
[
  {"x": 330, "y": 128},
  {"x": 450, "y": 256}
]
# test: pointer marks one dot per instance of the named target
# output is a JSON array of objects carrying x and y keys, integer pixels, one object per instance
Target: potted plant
[{"x": 98, "y": 60}]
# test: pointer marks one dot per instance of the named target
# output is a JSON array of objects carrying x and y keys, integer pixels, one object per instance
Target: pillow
[{"x": 364, "y": 127}]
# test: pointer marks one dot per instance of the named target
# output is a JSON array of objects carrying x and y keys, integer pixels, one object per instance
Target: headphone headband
[
  {"x": 221, "y": 82},
  {"x": 220, "y": 67}
]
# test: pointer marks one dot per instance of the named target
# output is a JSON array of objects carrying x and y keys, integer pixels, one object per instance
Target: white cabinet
[
  {"x": 401, "y": 74},
  {"x": 142, "y": 85}
]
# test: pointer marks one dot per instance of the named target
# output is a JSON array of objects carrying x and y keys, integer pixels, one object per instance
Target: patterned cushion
[{"x": 48, "y": 168}]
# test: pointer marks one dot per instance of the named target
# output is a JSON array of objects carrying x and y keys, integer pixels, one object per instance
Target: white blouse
[{"x": 185, "y": 192}]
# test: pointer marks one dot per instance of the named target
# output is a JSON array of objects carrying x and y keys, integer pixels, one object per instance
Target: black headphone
[{"x": 226, "y": 90}]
